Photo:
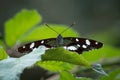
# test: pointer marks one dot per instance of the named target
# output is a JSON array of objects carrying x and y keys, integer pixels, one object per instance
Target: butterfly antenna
[
  {"x": 68, "y": 27},
  {"x": 51, "y": 28}
]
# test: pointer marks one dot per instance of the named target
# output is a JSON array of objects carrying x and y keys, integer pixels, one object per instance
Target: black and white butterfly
[{"x": 75, "y": 44}]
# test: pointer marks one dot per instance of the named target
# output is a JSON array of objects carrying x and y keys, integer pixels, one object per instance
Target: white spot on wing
[
  {"x": 32, "y": 45},
  {"x": 47, "y": 48},
  {"x": 23, "y": 46},
  {"x": 71, "y": 48},
  {"x": 78, "y": 45},
  {"x": 87, "y": 42},
  {"x": 77, "y": 39},
  {"x": 65, "y": 47},
  {"x": 42, "y": 41},
  {"x": 84, "y": 46},
  {"x": 96, "y": 42}
]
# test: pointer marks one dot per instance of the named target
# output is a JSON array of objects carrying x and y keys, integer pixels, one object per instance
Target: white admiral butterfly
[{"x": 69, "y": 43}]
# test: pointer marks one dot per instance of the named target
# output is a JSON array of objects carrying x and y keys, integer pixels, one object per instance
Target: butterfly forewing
[
  {"x": 81, "y": 44},
  {"x": 48, "y": 43}
]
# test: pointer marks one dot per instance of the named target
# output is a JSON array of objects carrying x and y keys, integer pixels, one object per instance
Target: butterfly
[{"x": 74, "y": 44}]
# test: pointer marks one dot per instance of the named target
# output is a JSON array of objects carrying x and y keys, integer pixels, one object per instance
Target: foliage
[
  {"x": 19, "y": 25},
  {"x": 3, "y": 54},
  {"x": 23, "y": 27}
]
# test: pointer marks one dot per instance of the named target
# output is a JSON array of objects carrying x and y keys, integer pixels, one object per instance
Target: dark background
[{"x": 90, "y": 15}]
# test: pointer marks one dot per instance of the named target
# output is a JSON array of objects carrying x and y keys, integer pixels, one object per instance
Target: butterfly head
[{"x": 59, "y": 40}]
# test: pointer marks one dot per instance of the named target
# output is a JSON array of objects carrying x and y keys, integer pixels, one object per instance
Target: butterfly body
[{"x": 75, "y": 44}]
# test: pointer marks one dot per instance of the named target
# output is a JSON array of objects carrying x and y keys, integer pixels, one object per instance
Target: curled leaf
[{"x": 98, "y": 68}]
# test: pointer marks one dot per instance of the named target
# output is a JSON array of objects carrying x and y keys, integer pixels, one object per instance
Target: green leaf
[
  {"x": 19, "y": 25},
  {"x": 43, "y": 32},
  {"x": 2, "y": 44},
  {"x": 83, "y": 78},
  {"x": 55, "y": 66},
  {"x": 3, "y": 54},
  {"x": 106, "y": 53},
  {"x": 60, "y": 54},
  {"x": 65, "y": 75},
  {"x": 1, "y": 41},
  {"x": 115, "y": 75}
]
